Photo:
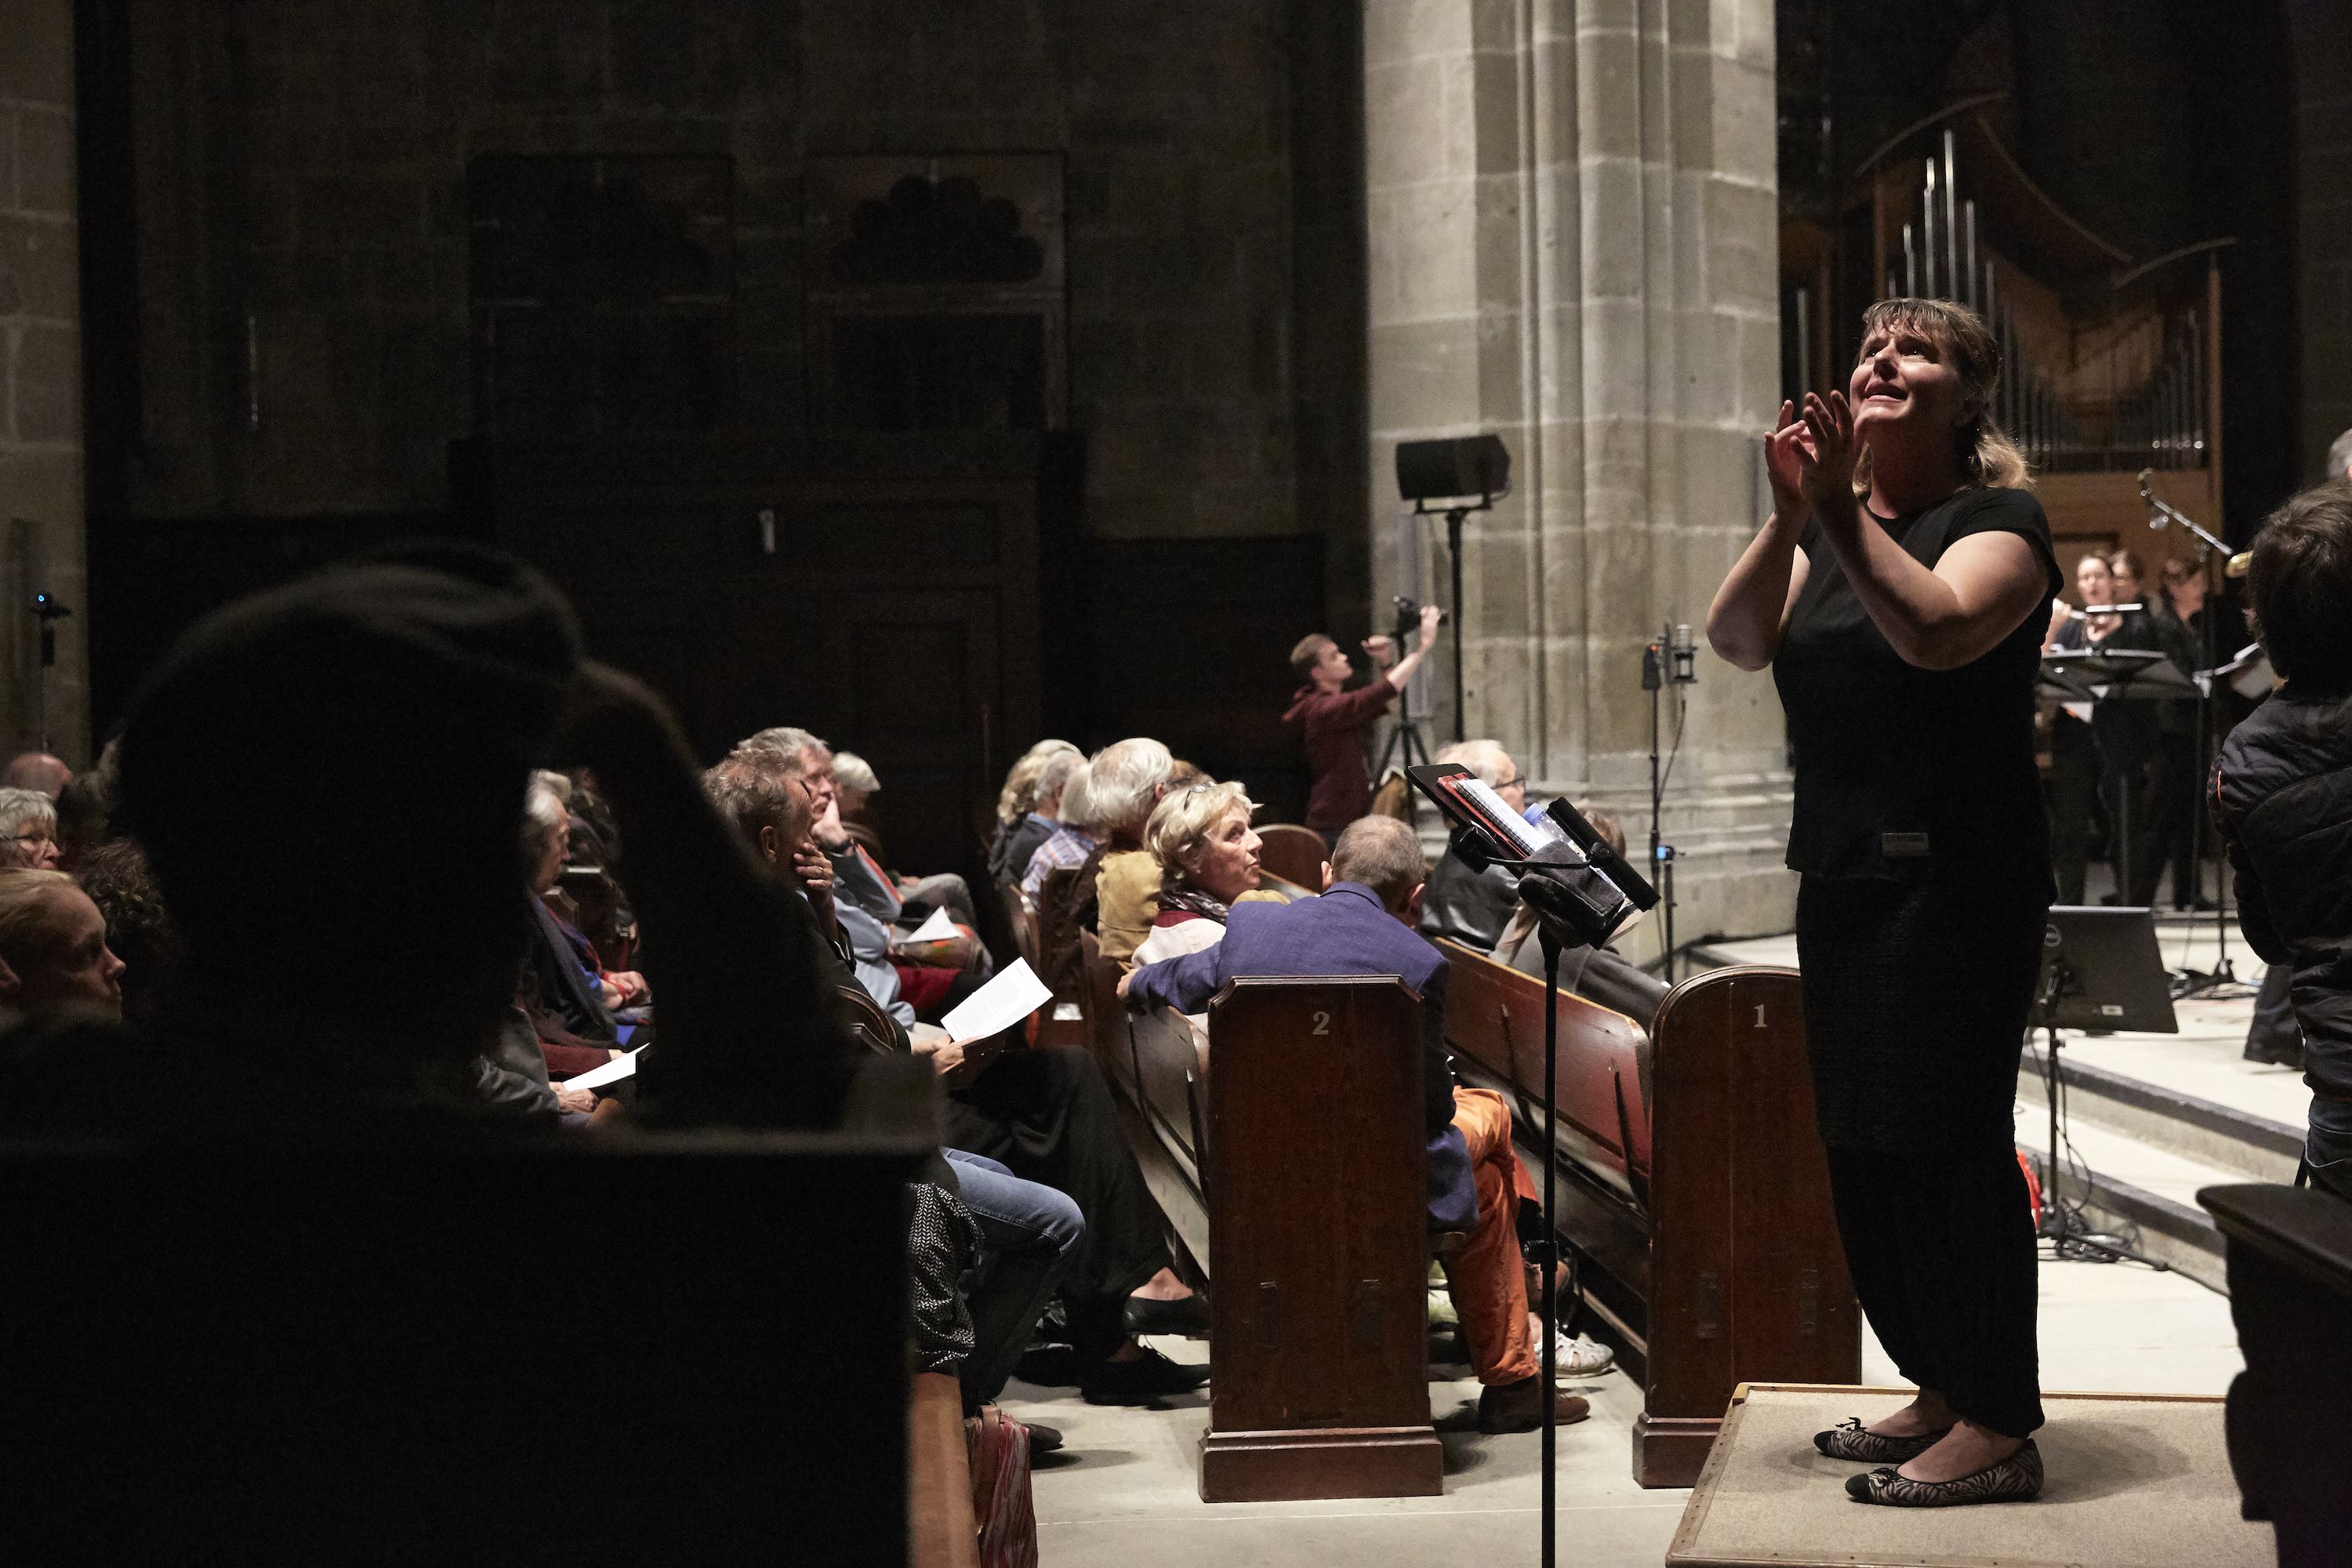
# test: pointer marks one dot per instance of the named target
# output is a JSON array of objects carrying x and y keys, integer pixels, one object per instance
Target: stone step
[
  {"x": 2226, "y": 1137},
  {"x": 2136, "y": 1188}
]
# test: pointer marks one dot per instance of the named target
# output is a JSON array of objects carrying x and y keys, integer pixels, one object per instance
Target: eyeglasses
[
  {"x": 1506, "y": 783},
  {"x": 32, "y": 838}
]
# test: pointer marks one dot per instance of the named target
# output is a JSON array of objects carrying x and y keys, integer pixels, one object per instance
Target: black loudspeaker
[{"x": 1459, "y": 466}]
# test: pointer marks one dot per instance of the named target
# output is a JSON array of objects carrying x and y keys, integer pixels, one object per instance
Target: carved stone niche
[{"x": 936, "y": 295}]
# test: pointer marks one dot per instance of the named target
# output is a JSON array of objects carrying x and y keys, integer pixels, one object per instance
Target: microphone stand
[{"x": 2210, "y": 550}]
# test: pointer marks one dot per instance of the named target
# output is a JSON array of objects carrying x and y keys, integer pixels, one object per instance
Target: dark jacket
[
  {"x": 2283, "y": 798},
  {"x": 1330, "y": 726},
  {"x": 1468, "y": 907}
]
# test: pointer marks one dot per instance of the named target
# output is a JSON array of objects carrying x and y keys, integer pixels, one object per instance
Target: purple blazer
[{"x": 1347, "y": 931}]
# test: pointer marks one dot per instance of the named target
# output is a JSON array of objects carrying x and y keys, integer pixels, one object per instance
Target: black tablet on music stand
[{"x": 2100, "y": 970}]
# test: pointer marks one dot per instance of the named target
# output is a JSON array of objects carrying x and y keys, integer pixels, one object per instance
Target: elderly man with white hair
[
  {"x": 1473, "y": 907},
  {"x": 1124, "y": 783}
]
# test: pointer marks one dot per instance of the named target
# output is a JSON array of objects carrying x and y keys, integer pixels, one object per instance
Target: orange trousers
[{"x": 1486, "y": 1278}]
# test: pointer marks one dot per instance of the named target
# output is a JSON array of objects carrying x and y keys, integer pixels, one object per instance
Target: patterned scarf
[{"x": 1192, "y": 900}]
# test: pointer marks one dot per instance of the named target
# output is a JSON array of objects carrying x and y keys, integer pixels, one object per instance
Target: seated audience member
[
  {"x": 1124, "y": 783},
  {"x": 548, "y": 840},
  {"x": 860, "y": 876},
  {"x": 473, "y": 662},
  {"x": 38, "y": 771},
  {"x": 1072, "y": 842},
  {"x": 1020, "y": 806},
  {"x": 84, "y": 806},
  {"x": 1473, "y": 907},
  {"x": 1029, "y": 1231},
  {"x": 1598, "y": 974},
  {"x": 1043, "y": 1116},
  {"x": 1043, "y": 818},
  {"x": 2283, "y": 798},
  {"x": 855, "y": 785},
  {"x": 28, "y": 829},
  {"x": 53, "y": 950},
  {"x": 1331, "y": 721},
  {"x": 138, "y": 929},
  {"x": 1363, "y": 924},
  {"x": 1207, "y": 854}
]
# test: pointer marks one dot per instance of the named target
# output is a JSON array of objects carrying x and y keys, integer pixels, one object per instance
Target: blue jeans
[{"x": 1030, "y": 1232}]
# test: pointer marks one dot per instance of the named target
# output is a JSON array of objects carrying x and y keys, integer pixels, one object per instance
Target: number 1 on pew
[{"x": 1759, "y": 1014}]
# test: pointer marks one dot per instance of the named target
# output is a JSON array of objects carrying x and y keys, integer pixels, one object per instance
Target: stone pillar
[
  {"x": 40, "y": 381},
  {"x": 1573, "y": 243}
]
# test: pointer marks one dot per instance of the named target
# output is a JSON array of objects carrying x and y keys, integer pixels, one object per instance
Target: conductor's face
[{"x": 1905, "y": 387}]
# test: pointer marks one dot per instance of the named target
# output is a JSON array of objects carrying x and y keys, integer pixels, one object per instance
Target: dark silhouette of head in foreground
[{"x": 329, "y": 783}]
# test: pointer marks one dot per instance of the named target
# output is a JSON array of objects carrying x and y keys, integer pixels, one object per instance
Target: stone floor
[{"x": 1126, "y": 1493}]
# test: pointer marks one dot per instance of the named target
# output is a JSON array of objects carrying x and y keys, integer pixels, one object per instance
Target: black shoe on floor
[
  {"x": 1186, "y": 1315},
  {"x": 1048, "y": 1366},
  {"x": 1147, "y": 1377},
  {"x": 1042, "y": 1439}
]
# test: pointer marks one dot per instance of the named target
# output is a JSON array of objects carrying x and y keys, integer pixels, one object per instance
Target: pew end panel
[
  {"x": 1749, "y": 1275},
  {"x": 1319, "y": 1245}
]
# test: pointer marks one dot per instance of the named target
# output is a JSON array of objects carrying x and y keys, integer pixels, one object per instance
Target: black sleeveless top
[{"x": 1904, "y": 773}]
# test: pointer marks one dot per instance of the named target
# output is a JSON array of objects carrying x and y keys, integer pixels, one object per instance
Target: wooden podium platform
[{"x": 2136, "y": 1480}]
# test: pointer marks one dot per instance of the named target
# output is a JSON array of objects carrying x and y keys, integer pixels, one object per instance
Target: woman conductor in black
[{"x": 1900, "y": 591}]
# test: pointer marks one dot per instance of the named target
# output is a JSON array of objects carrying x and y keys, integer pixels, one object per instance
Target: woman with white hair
[
  {"x": 1030, "y": 790},
  {"x": 1125, "y": 782},
  {"x": 28, "y": 829},
  {"x": 1202, "y": 838}
]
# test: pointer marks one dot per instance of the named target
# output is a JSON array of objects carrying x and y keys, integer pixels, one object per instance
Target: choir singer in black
[{"x": 1900, "y": 591}]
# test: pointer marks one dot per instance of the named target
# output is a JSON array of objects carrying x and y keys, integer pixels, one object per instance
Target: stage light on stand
[{"x": 1452, "y": 479}]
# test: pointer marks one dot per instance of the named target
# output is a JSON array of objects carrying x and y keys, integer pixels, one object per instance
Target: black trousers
[
  {"x": 1048, "y": 1116},
  {"x": 1915, "y": 1001},
  {"x": 2074, "y": 804},
  {"x": 1941, "y": 1248}
]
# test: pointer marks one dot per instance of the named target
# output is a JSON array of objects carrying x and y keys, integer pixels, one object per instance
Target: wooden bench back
[
  {"x": 1061, "y": 897},
  {"x": 1494, "y": 1017},
  {"x": 1020, "y": 919},
  {"x": 1292, "y": 853}
]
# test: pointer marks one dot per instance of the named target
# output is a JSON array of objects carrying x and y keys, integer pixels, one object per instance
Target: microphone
[
  {"x": 1685, "y": 652},
  {"x": 2156, "y": 517}
]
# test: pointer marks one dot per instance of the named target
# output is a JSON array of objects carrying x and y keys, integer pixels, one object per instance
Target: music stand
[
  {"x": 2112, "y": 675},
  {"x": 2100, "y": 970}
]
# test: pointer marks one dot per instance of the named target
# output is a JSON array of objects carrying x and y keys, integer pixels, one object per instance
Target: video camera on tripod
[{"x": 1408, "y": 615}]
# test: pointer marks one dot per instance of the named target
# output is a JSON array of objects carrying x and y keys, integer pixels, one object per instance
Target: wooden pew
[
  {"x": 1692, "y": 1192},
  {"x": 1292, "y": 853},
  {"x": 458, "y": 1352},
  {"x": 1293, "y": 1175},
  {"x": 1318, "y": 1244},
  {"x": 1063, "y": 1023}
]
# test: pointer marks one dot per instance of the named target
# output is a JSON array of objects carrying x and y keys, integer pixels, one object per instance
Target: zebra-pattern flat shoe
[
  {"x": 1848, "y": 1440},
  {"x": 2015, "y": 1480}
]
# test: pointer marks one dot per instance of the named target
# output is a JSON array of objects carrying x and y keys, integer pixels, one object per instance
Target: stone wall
[
  {"x": 2323, "y": 101},
  {"x": 304, "y": 243},
  {"x": 1573, "y": 242},
  {"x": 40, "y": 380}
]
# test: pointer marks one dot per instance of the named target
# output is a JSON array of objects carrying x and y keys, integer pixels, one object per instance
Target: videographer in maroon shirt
[{"x": 1332, "y": 722}]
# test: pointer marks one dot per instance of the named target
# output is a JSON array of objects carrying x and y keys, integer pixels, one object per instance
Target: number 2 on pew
[{"x": 1322, "y": 1022}]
